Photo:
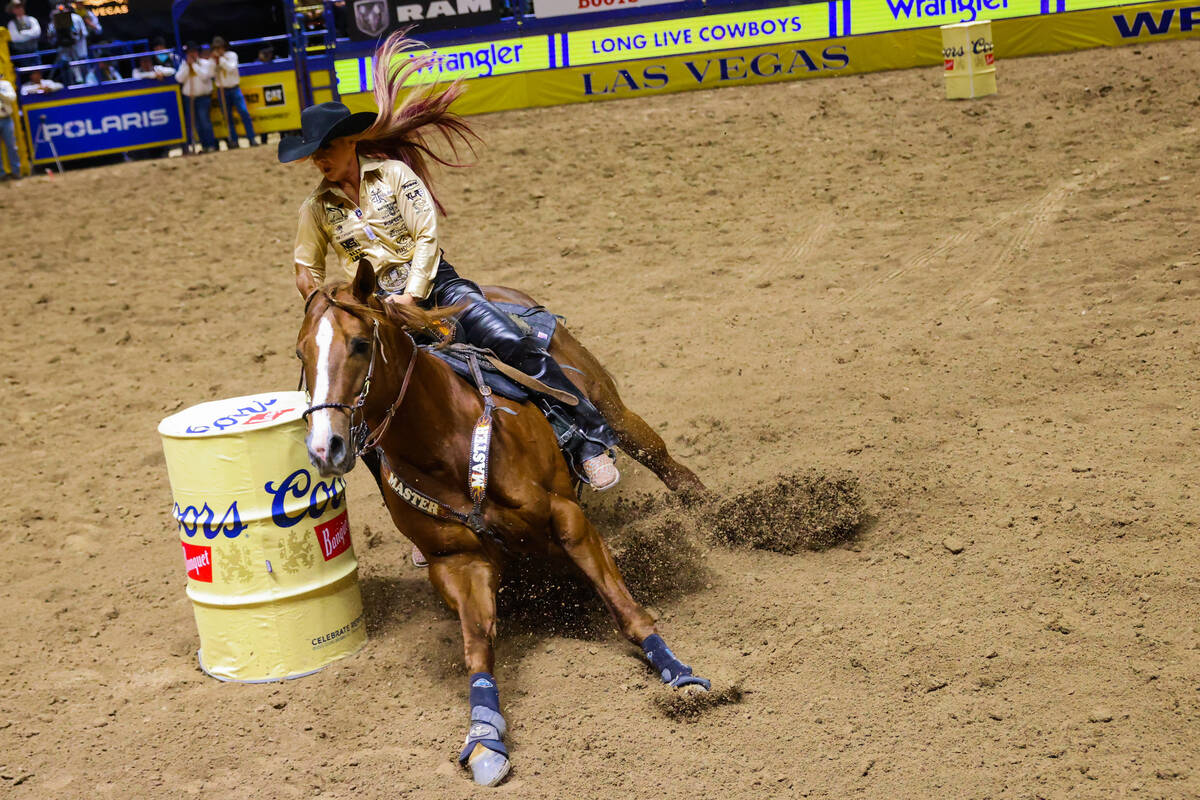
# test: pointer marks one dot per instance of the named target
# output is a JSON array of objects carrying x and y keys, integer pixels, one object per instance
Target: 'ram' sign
[{"x": 372, "y": 19}]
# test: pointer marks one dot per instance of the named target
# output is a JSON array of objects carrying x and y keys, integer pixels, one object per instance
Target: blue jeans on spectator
[
  {"x": 236, "y": 101},
  {"x": 10, "y": 145},
  {"x": 203, "y": 123}
]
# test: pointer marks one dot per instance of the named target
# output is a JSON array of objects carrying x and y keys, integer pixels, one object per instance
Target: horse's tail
[{"x": 406, "y": 120}]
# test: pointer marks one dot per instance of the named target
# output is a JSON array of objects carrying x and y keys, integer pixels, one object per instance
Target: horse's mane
[{"x": 412, "y": 318}]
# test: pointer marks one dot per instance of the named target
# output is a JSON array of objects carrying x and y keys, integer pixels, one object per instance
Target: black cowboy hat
[{"x": 319, "y": 125}]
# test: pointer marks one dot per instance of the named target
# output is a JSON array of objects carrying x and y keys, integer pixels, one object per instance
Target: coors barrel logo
[
  {"x": 334, "y": 536},
  {"x": 315, "y": 496}
]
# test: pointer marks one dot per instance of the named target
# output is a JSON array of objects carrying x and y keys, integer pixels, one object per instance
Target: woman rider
[{"x": 374, "y": 202}]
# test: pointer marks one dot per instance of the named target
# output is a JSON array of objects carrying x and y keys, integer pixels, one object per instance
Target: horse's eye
[{"x": 359, "y": 347}]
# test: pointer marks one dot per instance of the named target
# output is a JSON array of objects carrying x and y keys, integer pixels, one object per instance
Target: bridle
[{"x": 360, "y": 431}]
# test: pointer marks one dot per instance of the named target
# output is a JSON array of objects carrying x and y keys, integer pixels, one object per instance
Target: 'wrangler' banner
[{"x": 372, "y": 19}]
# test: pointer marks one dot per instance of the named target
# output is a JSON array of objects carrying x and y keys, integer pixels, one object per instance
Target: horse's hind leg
[
  {"x": 636, "y": 437},
  {"x": 587, "y": 550},
  {"x": 467, "y": 582}
]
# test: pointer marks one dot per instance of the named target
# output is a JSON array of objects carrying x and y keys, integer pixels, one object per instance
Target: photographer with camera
[
  {"x": 196, "y": 76},
  {"x": 68, "y": 32},
  {"x": 229, "y": 85}
]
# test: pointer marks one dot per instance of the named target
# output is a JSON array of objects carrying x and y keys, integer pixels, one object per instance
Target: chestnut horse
[{"x": 359, "y": 359}]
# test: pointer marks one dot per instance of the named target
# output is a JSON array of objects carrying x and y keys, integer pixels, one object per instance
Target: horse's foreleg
[
  {"x": 586, "y": 548},
  {"x": 468, "y": 582}
]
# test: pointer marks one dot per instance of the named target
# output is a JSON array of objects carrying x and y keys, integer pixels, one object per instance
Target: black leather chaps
[{"x": 484, "y": 325}]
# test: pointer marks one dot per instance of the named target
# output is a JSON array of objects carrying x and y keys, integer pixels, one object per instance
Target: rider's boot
[
  {"x": 487, "y": 326},
  {"x": 594, "y": 457}
]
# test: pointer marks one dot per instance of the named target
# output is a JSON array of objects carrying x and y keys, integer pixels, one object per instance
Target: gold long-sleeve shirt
[{"x": 394, "y": 227}]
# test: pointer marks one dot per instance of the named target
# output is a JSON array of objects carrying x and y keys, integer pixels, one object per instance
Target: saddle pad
[{"x": 537, "y": 321}]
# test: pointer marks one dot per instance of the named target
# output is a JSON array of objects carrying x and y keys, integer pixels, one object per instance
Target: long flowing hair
[{"x": 409, "y": 118}]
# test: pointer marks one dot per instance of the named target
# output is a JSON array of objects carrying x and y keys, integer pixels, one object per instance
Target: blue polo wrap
[{"x": 487, "y": 724}]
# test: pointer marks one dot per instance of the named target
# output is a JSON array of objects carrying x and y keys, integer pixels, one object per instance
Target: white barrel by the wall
[
  {"x": 969, "y": 59},
  {"x": 271, "y": 572}
]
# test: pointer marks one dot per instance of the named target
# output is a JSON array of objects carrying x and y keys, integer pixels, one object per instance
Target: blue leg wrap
[
  {"x": 672, "y": 671},
  {"x": 487, "y": 724}
]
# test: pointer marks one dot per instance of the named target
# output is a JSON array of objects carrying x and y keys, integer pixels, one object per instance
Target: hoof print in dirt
[
  {"x": 688, "y": 706},
  {"x": 803, "y": 511}
]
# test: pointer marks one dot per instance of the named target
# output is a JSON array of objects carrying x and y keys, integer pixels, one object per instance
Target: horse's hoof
[{"x": 488, "y": 767}]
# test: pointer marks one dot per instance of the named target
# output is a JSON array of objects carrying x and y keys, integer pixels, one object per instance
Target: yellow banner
[
  {"x": 819, "y": 58},
  {"x": 895, "y": 15},
  {"x": 670, "y": 37},
  {"x": 480, "y": 60},
  {"x": 271, "y": 99}
]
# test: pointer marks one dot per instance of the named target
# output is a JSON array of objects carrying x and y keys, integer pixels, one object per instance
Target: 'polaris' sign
[
  {"x": 75, "y": 128},
  {"x": 99, "y": 124}
]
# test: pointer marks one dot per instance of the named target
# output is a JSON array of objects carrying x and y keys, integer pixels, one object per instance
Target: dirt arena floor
[{"x": 985, "y": 312}]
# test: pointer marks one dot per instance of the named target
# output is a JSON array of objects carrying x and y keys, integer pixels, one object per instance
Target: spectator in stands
[
  {"x": 146, "y": 69},
  {"x": 164, "y": 56},
  {"x": 37, "y": 85},
  {"x": 196, "y": 76},
  {"x": 94, "y": 29},
  {"x": 68, "y": 32},
  {"x": 8, "y": 113},
  {"x": 23, "y": 30},
  {"x": 229, "y": 85},
  {"x": 101, "y": 72}
]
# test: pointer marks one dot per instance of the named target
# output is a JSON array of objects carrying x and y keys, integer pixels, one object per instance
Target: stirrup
[
  {"x": 418, "y": 558},
  {"x": 601, "y": 472}
]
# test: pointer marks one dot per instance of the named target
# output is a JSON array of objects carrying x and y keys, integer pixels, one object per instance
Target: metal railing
[{"x": 119, "y": 59}]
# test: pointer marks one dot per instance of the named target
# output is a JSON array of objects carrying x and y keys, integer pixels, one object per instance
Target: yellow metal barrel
[
  {"x": 271, "y": 571},
  {"x": 969, "y": 60}
]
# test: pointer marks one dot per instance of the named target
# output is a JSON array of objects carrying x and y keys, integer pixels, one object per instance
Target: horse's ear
[
  {"x": 305, "y": 282},
  {"x": 364, "y": 281}
]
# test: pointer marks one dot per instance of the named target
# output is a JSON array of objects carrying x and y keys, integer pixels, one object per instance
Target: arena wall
[
  {"x": 653, "y": 56},
  {"x": 825, "y": 40}
]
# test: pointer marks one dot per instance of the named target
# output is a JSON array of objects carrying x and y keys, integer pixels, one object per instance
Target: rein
[
  {"x": 376, "y": 346},
  {"x": 478, "y": 456}
]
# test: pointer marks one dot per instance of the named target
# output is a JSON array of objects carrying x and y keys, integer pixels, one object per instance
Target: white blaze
[{"x": 321, "y": 430}]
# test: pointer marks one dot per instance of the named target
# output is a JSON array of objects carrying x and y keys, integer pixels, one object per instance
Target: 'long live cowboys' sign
[{"x": 371, "y": 19}]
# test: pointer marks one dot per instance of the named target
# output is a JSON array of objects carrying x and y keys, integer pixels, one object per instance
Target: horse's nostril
[{"x": 337, "y": 448}]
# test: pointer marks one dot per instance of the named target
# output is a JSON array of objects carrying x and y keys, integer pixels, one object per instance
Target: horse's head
[{"x": 339, "y": 348}]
